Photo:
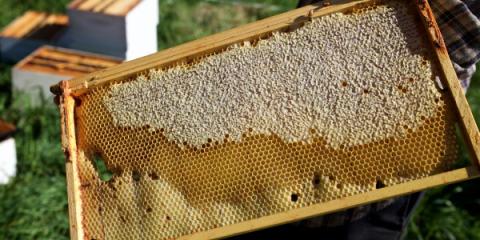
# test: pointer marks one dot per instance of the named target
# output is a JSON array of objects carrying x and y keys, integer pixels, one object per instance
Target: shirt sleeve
[{"x": 460, "y": 26}]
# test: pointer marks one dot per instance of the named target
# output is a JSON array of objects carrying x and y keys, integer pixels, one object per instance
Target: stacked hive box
[
  {"x": 8, "y": 156},
  {"x": 48, "y": 65},
  {"x": 28, "y": 32},
  {"x": 266, "y": 124},
  {"x": 125, "y": 29}
]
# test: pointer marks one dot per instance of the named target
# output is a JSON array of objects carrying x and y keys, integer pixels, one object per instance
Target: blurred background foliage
[{"x": 34, "y": 204}]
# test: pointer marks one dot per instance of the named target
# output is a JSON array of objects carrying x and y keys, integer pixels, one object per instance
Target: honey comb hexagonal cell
[{"x": 343, "y": 105}]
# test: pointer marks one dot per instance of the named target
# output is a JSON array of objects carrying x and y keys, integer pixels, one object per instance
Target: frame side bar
[
  {"x": 466, "y": 119},
  {"x": 67, "y": 104}
]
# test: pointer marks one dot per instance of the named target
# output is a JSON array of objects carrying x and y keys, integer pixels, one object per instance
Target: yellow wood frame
[{"x": 67, "y": 91}]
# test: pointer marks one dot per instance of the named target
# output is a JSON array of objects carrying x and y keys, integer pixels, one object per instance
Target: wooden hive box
[
  {"x": 8, "y": 161},
  {"x": 124, "y": 29},
  {"x": 28, "y": 32},
  {"x": 49, "y": 65},
  {"x": 308, "y": 112}
]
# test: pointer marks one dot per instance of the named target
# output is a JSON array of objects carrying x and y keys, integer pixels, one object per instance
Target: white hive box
[
  {"x": 8, "y": 159},
  {"x": 28, "y": 32},
  {"x": 48, "y": 65},
  {"x": 125, "y": 29}
]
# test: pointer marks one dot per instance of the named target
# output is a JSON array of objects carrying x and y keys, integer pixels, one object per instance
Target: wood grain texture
[
  {"x": 104, "y": 4},
  {"x": 24, "y": 24},
  {"x": 88, "y": 5},
  {"x": 65, "y": 62},
  {"x": 67, "y": 104},
  {"x": 31, "y": 21},
  {"x": 121, "y": 7},
  {"x": 110, "y": 7},
  {"x": 466, "y": 119}
]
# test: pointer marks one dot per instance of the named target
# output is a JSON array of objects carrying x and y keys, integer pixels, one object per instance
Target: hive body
[
  {"x": 125, "y": 29},
  {"x": 48, "y": 65},
  {"x": 28, "y": 32},
  {"x": 335, "y": 108}
]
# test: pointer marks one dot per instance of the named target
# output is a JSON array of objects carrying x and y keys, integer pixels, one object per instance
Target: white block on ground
[{"x": 8, "y": 160}]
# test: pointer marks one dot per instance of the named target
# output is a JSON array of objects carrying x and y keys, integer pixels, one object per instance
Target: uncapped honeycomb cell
[{"x": 344, "y": 105}]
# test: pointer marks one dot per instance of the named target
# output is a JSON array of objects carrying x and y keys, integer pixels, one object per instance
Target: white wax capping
[{"x": 353, "y": 78}]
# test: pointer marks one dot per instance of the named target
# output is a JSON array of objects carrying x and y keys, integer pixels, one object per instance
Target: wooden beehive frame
[
  {"x": 69, "y": 90},
  {"x": 30, "y": 31},
  {"x": 64, "y": 61},
  {"x": 31, "y": 21}
]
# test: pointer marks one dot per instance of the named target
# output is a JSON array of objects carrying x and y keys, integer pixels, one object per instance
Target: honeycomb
[{"x": 167, "y": 185}]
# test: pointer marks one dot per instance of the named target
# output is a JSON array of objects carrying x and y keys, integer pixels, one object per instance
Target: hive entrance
[{"x": 298, "y": 119}]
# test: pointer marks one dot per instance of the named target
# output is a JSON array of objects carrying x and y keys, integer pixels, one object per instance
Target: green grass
[
  {"x": 34, "y": 204},
  {"x": 182, "y": 21}
]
